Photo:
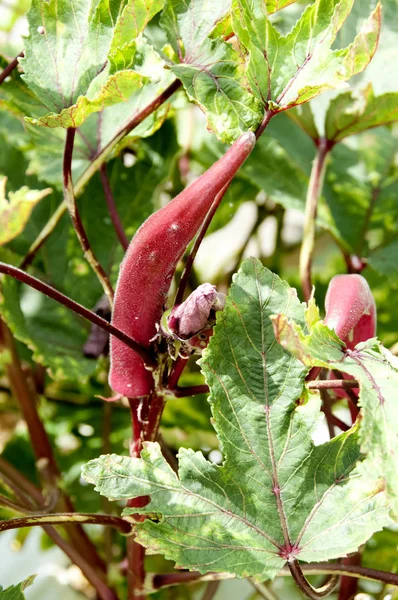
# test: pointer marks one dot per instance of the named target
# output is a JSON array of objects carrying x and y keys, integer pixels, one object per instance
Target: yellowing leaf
[{"x": 15, "y": 212}]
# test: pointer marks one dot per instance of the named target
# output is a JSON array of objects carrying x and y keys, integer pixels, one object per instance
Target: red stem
[
  {"x": 10, "y": 67},
  {"x": 349, "y": 585},
  {"x": 333, "y": 384},
  {"x": 307, "y": 589},
  {"x": 114, "y": 215},
  {"x": 72, "y": 518},
  {"x": 77, "y": 308},
  {"x": 176, "y": 372},
  {"x": 70, "y": 201},
  {"x": 192, "y": 390},
  {"x": 46, "y": 463},
  {"x": 190, "y": 260}
]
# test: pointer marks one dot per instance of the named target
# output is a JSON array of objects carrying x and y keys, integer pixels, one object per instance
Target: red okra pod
[
  {"x": 350, "y": 309},
  {"x": 351, "y": 312},
  {"x": 150, "y": 262}
]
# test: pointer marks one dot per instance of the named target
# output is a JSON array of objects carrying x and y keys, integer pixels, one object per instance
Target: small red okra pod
[
  {"x": 150, "y": 262},
  {"x": 350, "y": 309}
]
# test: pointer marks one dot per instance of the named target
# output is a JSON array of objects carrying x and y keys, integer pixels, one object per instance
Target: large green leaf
[
  {"x": 290, "y": 70},
  {"x": 211, "y": 71},
  {"x": 79, "y": 75},
  {"x": 352, "y": 113},
  {"x": 277, "y": 495},
  {"x": 16, "y": 592},
  {"x": 15, "y": 212},
  {"x": 376, "y": 369},
  {"x": 45, "y": 147}
]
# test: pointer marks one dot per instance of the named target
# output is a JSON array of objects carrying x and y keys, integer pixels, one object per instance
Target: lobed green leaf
[{"x": 276, "y": 495}]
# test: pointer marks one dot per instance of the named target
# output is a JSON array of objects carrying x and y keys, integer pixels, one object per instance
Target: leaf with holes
[
  {"x": 286, "y": 71},
  {"x": 85, "y": 73},
  {"x": 376, "y": 369},
  {"x": 277, "y": 495}
]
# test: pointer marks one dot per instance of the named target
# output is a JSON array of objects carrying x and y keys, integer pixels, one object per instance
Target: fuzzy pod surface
[{"x": 150, "y": 262}]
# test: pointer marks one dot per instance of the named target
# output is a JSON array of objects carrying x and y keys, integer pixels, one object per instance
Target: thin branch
[
  {"x": 114, "y": 215},
  {"x": 349, "y": 585},
  {"x": 158, "y": 581},
  {"x": 10, "y": 67},
  {"x": 189, "y": 263},
  {"x": 311, "y": 209},
  {"x": 211, "y": 590},
  {"x": 135, "y": 552},
  {"x": 80, "y": 310},
  {"x": 304, "y": 585},
  {"x": 4, "y": 501},
  {"x": 45, "y": 459},
  {"x": 70, "y": 201},
  {"x": 265, "y": 122},
  {"x": 263, "y": 590},
  {"x": 352, "y": 398},
  {"x": 193, "y": 390},
  {"x": 18, "y": 482},
  {"x": 103, "y": 591},
  {"x": 28, "y": 404},
  {"x": 47, "y": 507},
  {"x": 97, "y": 161},
  {"x": 351, "y": 570},
  {"x": 199, "y": 239},
  {"x": 22, "y": 487},
  {"x": 176, "y": 371},
  {"x": 331, "y": 384},
  {"x": 44, "y": 234},
  {"x": 327, "y": 411},
  {"x": 66, "y": 519}
]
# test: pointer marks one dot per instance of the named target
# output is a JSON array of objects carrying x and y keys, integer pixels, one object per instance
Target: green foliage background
[{"x": 358, "y": 214}]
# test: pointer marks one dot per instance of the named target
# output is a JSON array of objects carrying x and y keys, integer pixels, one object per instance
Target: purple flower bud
[{"x": 191, "y": 316}]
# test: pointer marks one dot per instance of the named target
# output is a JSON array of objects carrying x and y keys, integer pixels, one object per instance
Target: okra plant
[{"x": 198, "y": 336}]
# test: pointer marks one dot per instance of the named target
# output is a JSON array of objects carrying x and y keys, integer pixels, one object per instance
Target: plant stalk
[
  {"x": 39, "y": 520},
  {"x": 77, "y": 308},
  {"x": 331, "y": 384},
  {"x": 114, "y": 215},
  {"x": 21, "y": 486},
  {"x": 206, "y": 223},
  {"x": 311, "y": 209},
  {"x": 211, "y": 590},
  {"x": 42, "y": 449},
  {"x": 304, "y": 585},
  {"x": 10, "y": 67},
  {"x": 199, "y": 239},
  {"x": 97, "y": 161},
  {"x": 158, "y": 581},
  {"x": 70, "y": 201}
]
